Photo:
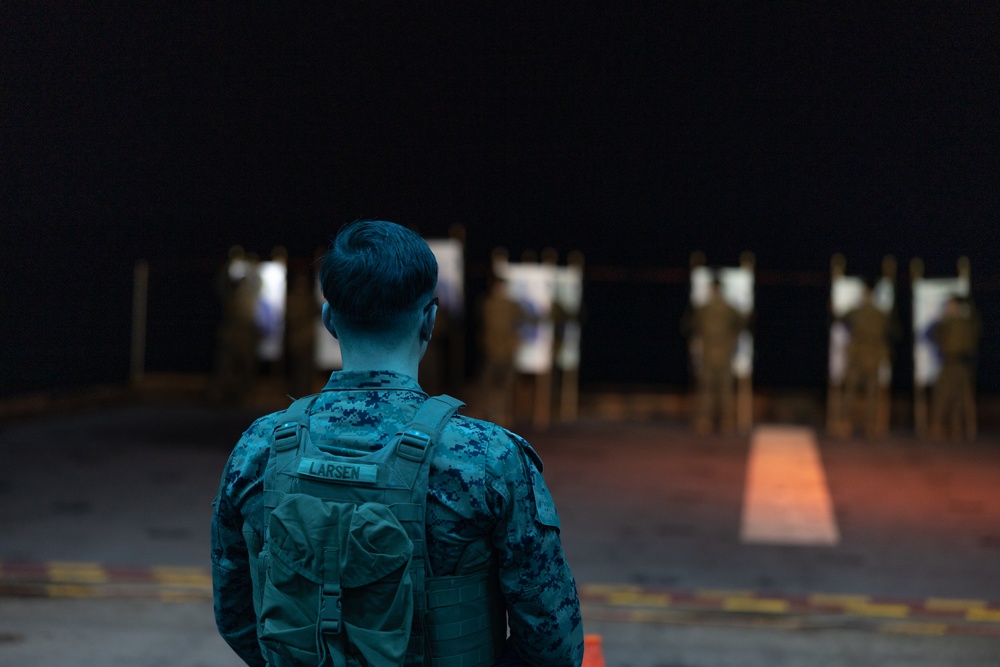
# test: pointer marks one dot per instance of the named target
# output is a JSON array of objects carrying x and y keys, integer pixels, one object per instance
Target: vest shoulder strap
[
  {"x": 296, "y": 418},
  {"x": 426, "y": 426}
]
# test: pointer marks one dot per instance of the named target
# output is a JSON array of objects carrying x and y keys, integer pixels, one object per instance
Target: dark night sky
[{"x": 635, "y": 132}]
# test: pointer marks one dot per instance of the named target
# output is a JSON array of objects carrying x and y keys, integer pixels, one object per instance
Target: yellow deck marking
[
  {"x": 182, "y": 576},
  {"x": 984, "y": 615},
  {"x": 834, "y": 600},
  {"x": 873, "y": 609},
  {"x": 77, "y": 573},
  {"x": 786, "y": 500},
  {"x": 72, "y": 591},
  {"x": 759, "y": 605},
  {"x": 941, "y": 604}
]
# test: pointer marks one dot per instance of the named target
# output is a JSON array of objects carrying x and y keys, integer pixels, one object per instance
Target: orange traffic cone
[{"x": 593, "y": 654}]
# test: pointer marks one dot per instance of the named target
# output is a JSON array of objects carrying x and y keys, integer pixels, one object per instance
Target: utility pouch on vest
[{"x": 339, "y": 578}]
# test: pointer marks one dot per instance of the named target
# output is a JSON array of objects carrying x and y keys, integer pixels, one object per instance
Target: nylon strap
[
  {"x": 330, "y": 628},
  {"x": 411, "y": 466},
  {"x": 434, "y": 414},
  {"x": 416, "y": 437},
  {"x": 285, "y": 442}
]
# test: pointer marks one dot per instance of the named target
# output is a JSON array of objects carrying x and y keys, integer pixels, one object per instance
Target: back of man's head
[{"x": 376, "y": 273}]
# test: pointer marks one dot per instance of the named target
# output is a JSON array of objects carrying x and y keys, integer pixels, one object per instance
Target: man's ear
[
  {"x": 328, "y": 319},
  {"x": 427, "y": 323}
]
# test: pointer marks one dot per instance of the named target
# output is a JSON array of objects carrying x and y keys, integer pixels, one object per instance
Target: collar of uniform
[{"x": 379, "y": 380}]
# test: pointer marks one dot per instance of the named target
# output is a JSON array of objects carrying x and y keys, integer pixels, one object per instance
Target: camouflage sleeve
[
  {"x": 232, "y": 587},
  {"x": 542, "y": 603}
]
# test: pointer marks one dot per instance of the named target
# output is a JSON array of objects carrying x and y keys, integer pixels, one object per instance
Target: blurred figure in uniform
[
  {"x": 715, "y": 328},
  {"x": 500, "y": 317},
  {"x": 867, "y": 351},
  {"x": 301, "y": 314},
  {"x": 237, "y": 336},
  {"x": 956, "y": 335}
]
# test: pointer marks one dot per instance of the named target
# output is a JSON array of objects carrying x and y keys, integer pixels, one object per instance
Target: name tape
[{"x": 356, "y": 473}]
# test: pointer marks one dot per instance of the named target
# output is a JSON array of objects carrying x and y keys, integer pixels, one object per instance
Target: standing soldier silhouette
[
  {"x": 956, "y": 335},
  {"x": 499, "y": 339},
  {"x": 867, "y": 351},
  {"x": 237, "y": 336},
  {"x": 717, "y": 326}
]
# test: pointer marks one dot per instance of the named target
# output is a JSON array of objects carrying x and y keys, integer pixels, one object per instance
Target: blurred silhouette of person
[
  {"x": 716, "y": 327},
  {"x": 567, "y": 327},
  {"x": 270, "y": 312},
  {"x": 301, "y": 314},
  {"x": 237, "y": 336},
  {"x": 500, "y": 317},
  {"x": 956, "y": 335},
  {"x": 867, "y": 351}
]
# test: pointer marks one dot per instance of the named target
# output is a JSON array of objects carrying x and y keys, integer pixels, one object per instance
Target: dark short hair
[{"x": 375, "y": 271}]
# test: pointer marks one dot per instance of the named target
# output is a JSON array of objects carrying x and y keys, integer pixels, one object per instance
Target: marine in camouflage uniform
[
  {"x": 237, "y": 335},
  {"x": 499, "y": 339},
  {"x": 716, "y": 327},
  {"x": 487, "y": 503},
  {"x": 956, "y": 335},
  {"x": 867, "y": 351}
]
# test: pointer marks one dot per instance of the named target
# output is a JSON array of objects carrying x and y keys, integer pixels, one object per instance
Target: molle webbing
[
  {"x": 466, "y": 620},
  {"x": 458, "y": 621}
]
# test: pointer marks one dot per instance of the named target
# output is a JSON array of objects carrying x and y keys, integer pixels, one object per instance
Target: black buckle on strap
[
  {"x": 286, "y": 436},
  {"x": 413, "y": 445},
  {"x": 330, "y": 609}
]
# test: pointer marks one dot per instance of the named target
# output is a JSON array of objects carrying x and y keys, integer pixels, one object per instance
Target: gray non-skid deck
[{"x": 650, "y": 517}]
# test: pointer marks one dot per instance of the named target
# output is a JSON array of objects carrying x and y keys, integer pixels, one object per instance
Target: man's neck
[
  {"x": 403, "y": 361},
  {"x": 398, "y": 352}
]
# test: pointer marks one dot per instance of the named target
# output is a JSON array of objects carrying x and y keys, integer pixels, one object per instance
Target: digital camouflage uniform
[
  {"x": 957, "y": 339},
  {"x": 236, "y": 339},
  {"x": 500, "y": 339},
  {"x": 717, "y": 326},
  {"x": 485, "y": 490},
  {"x": 867, "y": 350}
]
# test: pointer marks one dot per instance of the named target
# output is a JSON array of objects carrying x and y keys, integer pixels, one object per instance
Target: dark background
[{"x": 635, "y": 132}]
